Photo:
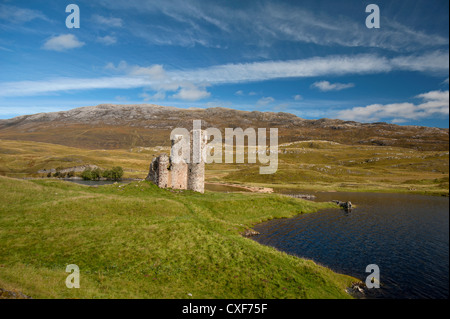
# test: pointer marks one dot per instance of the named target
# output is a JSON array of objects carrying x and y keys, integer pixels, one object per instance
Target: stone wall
[{"x": 159, "y": 171}]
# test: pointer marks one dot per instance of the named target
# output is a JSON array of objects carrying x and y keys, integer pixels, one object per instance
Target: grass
[
  {"x": 328, "y": 166},
  {"x": 303, "y": 166},
  {"x": 139, "y": 241},
  {"x": 25, "y": 159}
]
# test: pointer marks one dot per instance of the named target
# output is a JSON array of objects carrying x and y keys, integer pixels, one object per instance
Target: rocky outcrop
[
  {"x": 345, "y": 205},
  {"x": 250, "y": 233},
  {"x": 357, "y": 290}
]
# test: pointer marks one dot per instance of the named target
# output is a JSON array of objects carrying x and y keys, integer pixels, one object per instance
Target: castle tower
[
  {"x": 178, "y": 171},
  {"x": 196, "y": 167}
]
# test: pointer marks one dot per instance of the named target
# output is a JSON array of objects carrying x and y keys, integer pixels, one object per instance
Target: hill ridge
[{"x": 123, "y": 125}]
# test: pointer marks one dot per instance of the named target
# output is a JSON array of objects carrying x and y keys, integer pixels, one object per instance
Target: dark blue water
[{"x": 407, "y": 236}]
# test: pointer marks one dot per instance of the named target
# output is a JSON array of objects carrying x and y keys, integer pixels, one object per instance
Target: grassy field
[
  {"x": 303, "y": 166},
  {"x": 329, "y": 166},
  {"x": 25, "y": 158},
  {"x": 139, "y": 241}
]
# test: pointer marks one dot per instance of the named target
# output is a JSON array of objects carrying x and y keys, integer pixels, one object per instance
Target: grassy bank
[{"x": 139, "y": 241}]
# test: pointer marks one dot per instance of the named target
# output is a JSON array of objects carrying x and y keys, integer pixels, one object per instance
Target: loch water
[{"x": 405, "y": 235}]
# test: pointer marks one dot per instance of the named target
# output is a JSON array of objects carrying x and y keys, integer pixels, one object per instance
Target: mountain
[{"x": 108, "y": 126}]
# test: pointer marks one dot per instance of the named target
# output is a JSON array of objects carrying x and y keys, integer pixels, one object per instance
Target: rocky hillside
[{"x": 108, "y": 126}]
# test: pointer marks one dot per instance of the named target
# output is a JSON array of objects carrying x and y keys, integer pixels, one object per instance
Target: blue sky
[{"x": 315, "y": 59}]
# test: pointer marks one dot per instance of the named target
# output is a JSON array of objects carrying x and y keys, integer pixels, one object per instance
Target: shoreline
[{"x": 279, "y": 189}]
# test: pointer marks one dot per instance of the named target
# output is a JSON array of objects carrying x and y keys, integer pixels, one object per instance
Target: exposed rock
[
  {"x": 250, "y": 233},
  {"x": 7, "y": 294},
  {"x": 345, "y": 205},
  {"x": 357, "y": 289}
]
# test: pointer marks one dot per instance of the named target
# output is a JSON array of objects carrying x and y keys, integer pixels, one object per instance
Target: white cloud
[
  {"x": 157, "y": 96},
  {"x": 242, "y": 93},
  {"x": 298, "y": 97},
  {"x": 430, "y": 62},
  {"x": 121, "y": 98},
  {"x": 265, "y": 101},
  {"x": 107, "y": 40},
  {"x": 191, "y": 93},
  {"x": 434, "y": 103},
  {"x": 23, "y": 88},
  {"x": 326, "y": 86},
  {"x": 263, "y": 23},
  {"x": 159, "y": 79},
  {"x": 20, "y": 15},
  {"x": 107, "y": 22},
  {"x": 63, "y": 42},
  {"x": 435, "y": 62}
]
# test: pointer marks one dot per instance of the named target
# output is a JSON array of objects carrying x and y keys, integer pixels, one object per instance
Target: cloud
[
  {"x": 326, "y": 86},
  {"x": 23, "y": 88},
  {"x": 242, "y": 93},
  {"x": 191, "y": 92},
  {"x": 157, "y": 96},
  {"x": 19, "y": 15},
  {"x": 265, "y": 101},
  {"x": 63, "y": 42},
  {"x": 159, "y": 79},
  {"x": 298, "y": 97},
  {"x": 264, "y": 23},
  {"x": 107, "y": 22},
  {"x": 281, "y": 107},
  {"x": 434, "y": 103},
  {"x": 107, "y": 40},
  {"x": 121, "y": 98},
  {"x": 430, "y": 62},
  {"x": 434, "y": 62},
  {"x": 153, "y": 72}
]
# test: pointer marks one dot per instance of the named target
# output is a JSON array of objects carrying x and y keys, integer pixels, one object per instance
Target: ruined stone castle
[{"x": 185, "y": 171}]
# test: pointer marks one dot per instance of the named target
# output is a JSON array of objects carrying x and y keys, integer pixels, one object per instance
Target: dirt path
[{"x": 253, "y": 189}]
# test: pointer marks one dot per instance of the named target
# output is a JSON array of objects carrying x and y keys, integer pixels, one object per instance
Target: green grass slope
[{"x": 139, "y": 241}]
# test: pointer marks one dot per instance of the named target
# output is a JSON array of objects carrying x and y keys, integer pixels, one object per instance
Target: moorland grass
[
  {"x": 139, "y": 241},
  {"x": 317, "y": 166}
]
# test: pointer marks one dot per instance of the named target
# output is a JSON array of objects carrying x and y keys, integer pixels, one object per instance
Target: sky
[{"x": 315, "y": 59}]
